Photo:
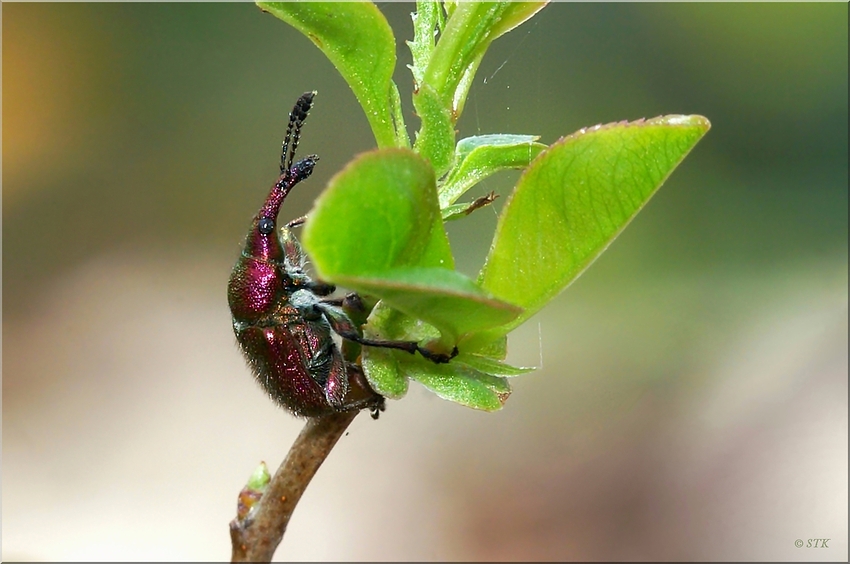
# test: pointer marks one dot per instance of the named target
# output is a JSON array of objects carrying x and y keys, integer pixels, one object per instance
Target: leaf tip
[{"x": 682, "y": 120}]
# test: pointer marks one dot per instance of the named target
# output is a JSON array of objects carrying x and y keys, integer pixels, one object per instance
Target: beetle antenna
[{"x": 293, "y": 131}]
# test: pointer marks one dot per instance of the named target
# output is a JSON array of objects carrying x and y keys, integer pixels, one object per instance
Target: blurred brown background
[{"x": 692, "y": 401}]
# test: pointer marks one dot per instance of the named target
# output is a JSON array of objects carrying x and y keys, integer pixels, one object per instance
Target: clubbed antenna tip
[{"x": 293, "y": 131}]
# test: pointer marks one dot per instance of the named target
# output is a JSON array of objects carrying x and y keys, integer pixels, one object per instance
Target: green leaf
[
  {"x": 388, "y": 371},
  {"x": 380, "y": 212},
  {"x": 574, "y": 199},
  {"x": 495, "y": 349},
  {"x": 442, "y": 85},
  {"x": 446, "y": 299},
  {"x": 516, "y": 14},
  {"x": 458, "y": 101},
  {"x": 469, "y": 30},
  {"x": 427, "y": 20},
  {"x": 456, "y": 211},
  {"x": 357, "y": 39},
  {"x": 435, "y": 140},
  {"x": 383, "y": 373},
  {"x": 479, "y": 157},
  {"x": 491, "y": 366},
  {"x": 469, "y": 379},
  {"x": 458, "y": 383},
  {"x": 377, "y": 230},
  {"x": 380, "y": 366},
  {"x": 492, "y": 142},
  {"x": 464, "y": 38},
  {"x": 397, "y": 112}
]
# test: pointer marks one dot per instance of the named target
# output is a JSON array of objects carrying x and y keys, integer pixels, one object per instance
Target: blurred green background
[{"x": 692, "y": 400}]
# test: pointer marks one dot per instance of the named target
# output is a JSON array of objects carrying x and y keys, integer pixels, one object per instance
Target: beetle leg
[
  {"x": 351, "y": 301},
  {"x": 343, "y": 327},
  {"x": 375, "y": 410},
  {"x": 336, "y": 384},
  {"x": 436, "y": 358},
  {"x": 297, "y": 222},
  {"x": 320, "y": 288},
  {"x": 361, "y": 395}
]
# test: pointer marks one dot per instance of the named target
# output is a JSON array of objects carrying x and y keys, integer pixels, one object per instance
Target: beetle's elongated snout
[{"x": 262, "y": 241}]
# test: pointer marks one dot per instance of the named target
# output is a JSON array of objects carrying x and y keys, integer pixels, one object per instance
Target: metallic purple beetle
[{"x": 283, "y": 319}]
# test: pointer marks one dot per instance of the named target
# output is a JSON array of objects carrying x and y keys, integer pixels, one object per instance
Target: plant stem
[{"x": 256, "y": 538}]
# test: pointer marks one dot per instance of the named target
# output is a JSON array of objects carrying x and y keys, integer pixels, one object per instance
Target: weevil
[{"x": 283, "y": 319}]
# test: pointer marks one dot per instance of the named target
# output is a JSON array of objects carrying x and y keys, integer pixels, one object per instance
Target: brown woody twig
[{"x": 255, "y": 538}]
